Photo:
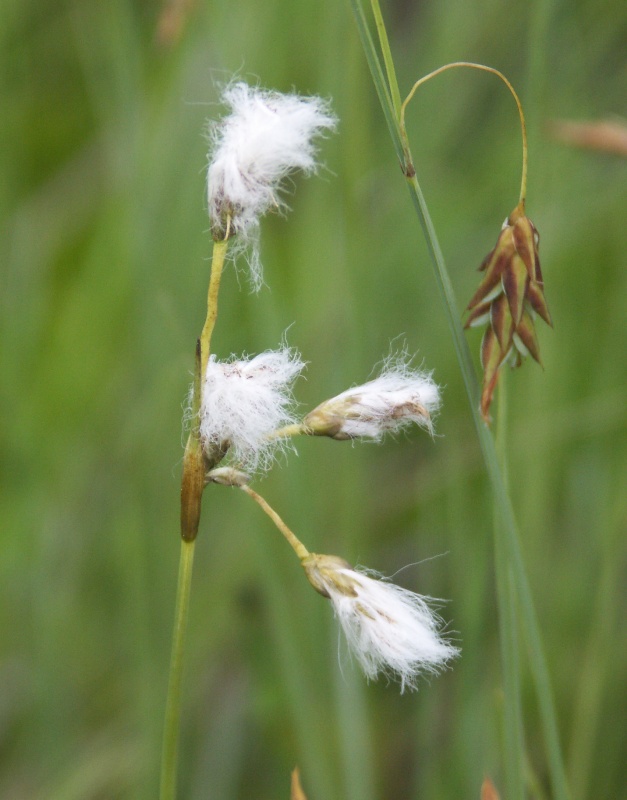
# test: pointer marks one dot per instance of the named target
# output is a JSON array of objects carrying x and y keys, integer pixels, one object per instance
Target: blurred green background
[{"x": 104, "y": 267}]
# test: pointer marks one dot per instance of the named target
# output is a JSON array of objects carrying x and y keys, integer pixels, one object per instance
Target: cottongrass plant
[
  {"x": 242, "y": 409},
  {"x": 516, "y": 256}
]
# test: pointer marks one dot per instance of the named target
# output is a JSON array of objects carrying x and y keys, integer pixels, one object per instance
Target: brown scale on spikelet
[
  {"x": 297, "y": 790},
  {"x": 488, "y": 790},
  {"x": 509, "y": 296}
]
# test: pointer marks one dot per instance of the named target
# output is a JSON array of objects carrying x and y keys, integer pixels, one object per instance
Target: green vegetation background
[{"x": 104, "y": 267}]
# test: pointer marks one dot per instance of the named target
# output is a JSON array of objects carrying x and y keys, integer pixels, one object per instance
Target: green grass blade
[
  {"x": 378, "y": 78},
  {"x": 387, "y": 57}
]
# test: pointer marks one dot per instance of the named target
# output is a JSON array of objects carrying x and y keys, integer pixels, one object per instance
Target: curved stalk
[
  {"x": 297, "y": 546},
  {"x": 482, "y": 68}
]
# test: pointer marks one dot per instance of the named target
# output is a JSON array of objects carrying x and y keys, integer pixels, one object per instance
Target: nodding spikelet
[
  {"x": 507, "y": 301},
  {"x": 400, "y": 396},
  {"x": 243, "y": 401},
  {"x": 390, "y": 630},
  {"x": 265, "y": 137}
]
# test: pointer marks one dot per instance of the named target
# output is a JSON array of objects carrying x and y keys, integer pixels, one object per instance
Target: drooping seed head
[
  {"x": 398, "y": 397},
  {"x": 390, "y": 630},
  {"x": 509, "y": 297}
]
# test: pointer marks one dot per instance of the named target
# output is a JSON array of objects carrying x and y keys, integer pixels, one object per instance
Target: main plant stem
[
  {"x": 195, "y": 467},
  {"x": 169, "y": 758}
]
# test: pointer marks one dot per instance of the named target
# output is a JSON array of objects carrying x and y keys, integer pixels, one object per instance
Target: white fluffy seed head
[
  {"x": 244, "y": 401},
  {"x": 266, "y": 136},
  {"x": 399, "y": 397},
  {"x": 390, "y": 630}
]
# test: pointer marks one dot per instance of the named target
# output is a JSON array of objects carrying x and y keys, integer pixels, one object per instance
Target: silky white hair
[
  {"x": 266, "y": 136},
  {"x": 398, "y": 397},
  {"x": 390, "y": 630},
  {"x": 245, "y": 400}
]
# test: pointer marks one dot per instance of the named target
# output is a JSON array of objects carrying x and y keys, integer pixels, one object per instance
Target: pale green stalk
[
  {"x": 169, "y": 756},
  {"x": 508, "y": 530},
  {"x": 513, "y": 733},
  {"x": 294, "y": 542},
  {"x": 482, "y": 68}
]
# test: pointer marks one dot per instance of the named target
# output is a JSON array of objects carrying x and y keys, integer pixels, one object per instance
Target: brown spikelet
[
  {"x": 297, "y": 791},
  {"x": 502, "y": 322},
  {"x": 604, "y": 135},
  {"x": 172, "y": 21},
  {"x": 479, "y": 315},
  {"x": 527, "y": 334},
  {"x": 515, "y": 280},
  {"x": 510, "y": 294},
  {"x": 535, "y": 295},
  {"x": 488, "y": 790},
  {"x": 491, "y": 359}
]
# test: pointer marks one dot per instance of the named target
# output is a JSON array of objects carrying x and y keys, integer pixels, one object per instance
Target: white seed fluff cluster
[
  {"x": 390, "y": 630},
  {"x": 244, "y": 401},
  {"x": 266, "y": 136},
  {"x": 399, "y": 397}
]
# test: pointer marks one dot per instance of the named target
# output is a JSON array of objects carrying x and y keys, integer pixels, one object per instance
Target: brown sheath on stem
[{"x": 194, "y": 466}]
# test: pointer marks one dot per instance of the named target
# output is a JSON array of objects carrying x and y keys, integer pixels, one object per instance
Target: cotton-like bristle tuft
[
  {"x": 399, "y": 397},
  {"x": 390, "y": 630},
  {"x": 266, "y": 136},
  {"x": 244, "y": 401}
]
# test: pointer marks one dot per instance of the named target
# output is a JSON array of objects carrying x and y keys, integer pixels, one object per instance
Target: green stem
[
  {"x": 195, "y": 466},
  {"x": 197, "y": 462},
  {"x": 171, "y": 731},
  {"x": 508, "y": 629},
  {"x": 502, "y": 501}
]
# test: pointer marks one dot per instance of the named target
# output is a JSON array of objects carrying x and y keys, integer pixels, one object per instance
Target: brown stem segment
[
  {"x": 194, "y": 466},
  {"x": 195, "y": 462}
]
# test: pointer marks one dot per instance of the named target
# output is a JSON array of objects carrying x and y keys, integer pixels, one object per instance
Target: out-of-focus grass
[{"x": 104, "y": 269}]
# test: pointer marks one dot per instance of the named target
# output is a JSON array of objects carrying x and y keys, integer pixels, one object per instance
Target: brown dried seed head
[{"x": 510, "y": 293}]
